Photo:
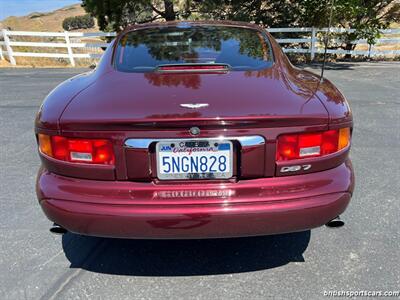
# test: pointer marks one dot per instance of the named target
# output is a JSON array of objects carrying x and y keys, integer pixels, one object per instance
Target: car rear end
[{"x": 221, "y": 139}]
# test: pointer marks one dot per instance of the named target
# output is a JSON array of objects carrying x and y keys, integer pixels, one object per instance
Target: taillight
[
  {"x": 91, "y": 151},
  {"x": 304, "y": 145}
]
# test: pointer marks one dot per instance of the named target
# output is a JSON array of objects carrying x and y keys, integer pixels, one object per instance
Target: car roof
[{"x": 192, "y": 23}]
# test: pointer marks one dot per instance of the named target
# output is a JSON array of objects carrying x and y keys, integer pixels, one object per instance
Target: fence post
[
  {"x": 8, "y": 47},
  {"x": 1, "y": 48},
  {"x": 69, "y": 48},
  {"x": 1, "y": 53},
  {"x": 313, "y": 40}
]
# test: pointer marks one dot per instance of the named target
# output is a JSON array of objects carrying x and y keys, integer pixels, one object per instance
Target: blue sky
[{"x": 24, "y": 7}]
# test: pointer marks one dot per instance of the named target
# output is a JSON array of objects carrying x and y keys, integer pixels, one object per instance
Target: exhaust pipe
[
  {"x": 335, "y": 223},
  {"x": 57, "y": 229}
]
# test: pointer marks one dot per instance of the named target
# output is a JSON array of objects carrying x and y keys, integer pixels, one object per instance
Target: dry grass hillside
[{"x": 50, "y": 21}]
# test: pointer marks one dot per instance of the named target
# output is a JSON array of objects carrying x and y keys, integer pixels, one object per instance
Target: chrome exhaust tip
[
  {"x": 335, "y": 223},
  {"x": 57, "y": 229}
]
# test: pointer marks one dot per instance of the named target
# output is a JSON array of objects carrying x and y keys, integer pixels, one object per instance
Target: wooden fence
[{"x": 90, "y": 44}]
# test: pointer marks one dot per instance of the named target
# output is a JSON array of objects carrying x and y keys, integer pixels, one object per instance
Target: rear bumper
[{"x": 147, "y": 210}]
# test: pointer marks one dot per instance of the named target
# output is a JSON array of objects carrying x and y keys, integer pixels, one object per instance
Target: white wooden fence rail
[{"x": 71, "y": 40}]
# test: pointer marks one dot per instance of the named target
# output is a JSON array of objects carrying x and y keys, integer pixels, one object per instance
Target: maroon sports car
[{"x": 194, "y": 130}]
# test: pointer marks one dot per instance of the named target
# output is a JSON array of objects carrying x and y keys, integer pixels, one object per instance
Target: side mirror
[{"x": 93, "y": 66}]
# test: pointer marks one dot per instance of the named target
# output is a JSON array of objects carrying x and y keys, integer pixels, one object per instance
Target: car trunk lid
[{"x": 124, "y": 101}]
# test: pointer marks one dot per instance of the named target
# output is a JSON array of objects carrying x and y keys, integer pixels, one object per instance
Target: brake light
[
  {"x": 304, "y": 145},
  {"x": 91, "y": 151},
  {"x": 195, "y": 68}
]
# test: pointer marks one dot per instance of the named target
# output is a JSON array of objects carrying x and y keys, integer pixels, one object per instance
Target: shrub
[{"x": 78, "y": 22}]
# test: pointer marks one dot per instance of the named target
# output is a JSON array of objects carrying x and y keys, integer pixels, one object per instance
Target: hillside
[{"x": 50, "y": 21}]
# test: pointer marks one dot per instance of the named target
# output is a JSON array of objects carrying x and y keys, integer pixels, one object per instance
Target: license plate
[{"x": 194, "y": 159}]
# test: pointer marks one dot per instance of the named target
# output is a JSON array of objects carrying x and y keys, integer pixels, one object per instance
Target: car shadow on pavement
[
  {"x": 183, "y": 257},
  {"x": 329, "y": 66}
]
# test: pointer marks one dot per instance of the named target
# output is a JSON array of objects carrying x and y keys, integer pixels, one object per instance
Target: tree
[
  {"x": 116, "y": 14},
  {"x": 78, "y": 22},
  {"x": 366, "y": 16},
  {"x": 272, "y": 13}
]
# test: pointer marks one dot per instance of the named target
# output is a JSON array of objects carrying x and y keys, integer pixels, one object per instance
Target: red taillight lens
[
  {"x": 92, "y": 151},
  {"x": 60, "y": 147},
  {"x": 304, "y": 145}
]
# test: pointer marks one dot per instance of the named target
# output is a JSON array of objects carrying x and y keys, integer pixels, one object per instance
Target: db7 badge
[{"x": 295, "y": 168}]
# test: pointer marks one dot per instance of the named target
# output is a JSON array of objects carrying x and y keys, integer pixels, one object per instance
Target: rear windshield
[{"x": 146, "y": 49}]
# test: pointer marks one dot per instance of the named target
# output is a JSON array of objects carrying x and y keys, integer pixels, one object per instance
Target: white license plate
[{"x": 194, "y": 159}]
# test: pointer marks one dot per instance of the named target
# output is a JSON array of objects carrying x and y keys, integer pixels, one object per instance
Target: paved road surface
[{"x": 364, "y": 255}]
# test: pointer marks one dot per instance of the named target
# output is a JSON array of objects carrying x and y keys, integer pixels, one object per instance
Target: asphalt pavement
[{"x": 362, "y": 255}]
